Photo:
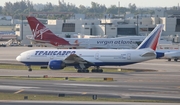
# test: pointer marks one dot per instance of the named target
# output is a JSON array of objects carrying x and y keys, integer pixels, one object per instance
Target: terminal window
[
  {"x": 126, "y": 31},
  {"x": 150, "y": 29},
  {"x": 68, "y": 27},
  {"x": 177, "y": 25}
]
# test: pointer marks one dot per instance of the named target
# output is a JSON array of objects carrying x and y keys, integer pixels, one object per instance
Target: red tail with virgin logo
[{"x": 42, "y": 33}]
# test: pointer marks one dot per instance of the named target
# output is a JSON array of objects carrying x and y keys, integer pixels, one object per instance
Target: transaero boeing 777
[{"x": 82, "y": 59}]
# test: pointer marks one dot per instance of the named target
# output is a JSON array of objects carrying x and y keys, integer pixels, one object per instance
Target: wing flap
[{"x": 73, "y": 58}]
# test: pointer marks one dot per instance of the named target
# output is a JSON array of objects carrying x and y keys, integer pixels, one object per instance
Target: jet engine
[{"x": 56, "y": 65}]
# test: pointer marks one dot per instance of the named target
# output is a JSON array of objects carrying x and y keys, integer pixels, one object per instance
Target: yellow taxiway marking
[{"x": 19, "y": 91}]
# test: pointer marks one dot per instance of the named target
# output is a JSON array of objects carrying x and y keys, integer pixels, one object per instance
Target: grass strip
[
  {"x": 68, "y": 69},
  {"x": 53, "y": 78},
  {"x": 13, "y": 96}
]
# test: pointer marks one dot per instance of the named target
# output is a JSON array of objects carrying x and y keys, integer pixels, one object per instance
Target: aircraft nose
[{"x": 18, "y": 58}]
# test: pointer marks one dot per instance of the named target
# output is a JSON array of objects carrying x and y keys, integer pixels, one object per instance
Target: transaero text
[{"x": 54, "y": 52}]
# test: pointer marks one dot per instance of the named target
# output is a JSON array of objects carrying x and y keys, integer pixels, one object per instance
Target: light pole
[
  {"x": 137, "y": 24},
  {"x": 22, "y": 27},
  {"x": 105, "y": 25}
]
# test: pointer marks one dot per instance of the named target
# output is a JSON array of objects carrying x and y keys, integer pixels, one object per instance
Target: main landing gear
[
  {"x": 169, "y": 59},
  {"x": 175, "y": 59},
  {"x": 97, "y": 70},
  {"x": 83, "y": 71},
  {"x": 82, "y": 68}
]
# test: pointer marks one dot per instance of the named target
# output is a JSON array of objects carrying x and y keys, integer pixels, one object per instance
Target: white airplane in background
[
  {"x": 41, "y": 34},
  {"x": 82, "y": 59},
  {"x": 171, "y": 54}
]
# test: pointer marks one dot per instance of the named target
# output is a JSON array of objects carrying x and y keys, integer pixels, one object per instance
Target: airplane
[
  {"x": 171, "y": 54},
  {"x": 41, "y": 34},
  {"x": 82, "y": 59}
]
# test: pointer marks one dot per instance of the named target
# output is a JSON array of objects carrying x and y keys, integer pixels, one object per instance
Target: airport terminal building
[{"x": 128, "y": 26}]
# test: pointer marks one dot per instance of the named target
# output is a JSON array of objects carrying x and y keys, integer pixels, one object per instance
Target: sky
[{"x": 108, "y": 3}]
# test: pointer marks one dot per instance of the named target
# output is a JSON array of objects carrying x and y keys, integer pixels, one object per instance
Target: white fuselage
[
  {"x": 99, "y": 57},
  {"x": 127, "y": 42},
  {"x": 170, "y": 53}
]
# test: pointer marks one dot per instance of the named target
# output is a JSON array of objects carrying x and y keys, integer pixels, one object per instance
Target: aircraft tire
[
  {"x": 79, "y": 71},
  {"x": 86, "y": 71},
  {"x": 97, "y": 71},
  {"x": 30, "y": 69},
  {"x": 169, "y": 59},
  {"x": 83, "y": 71},
  {"x": 175, "y": 60},
  {"x": 93, "y": 70},
  {"x": 101, "y": 70}
]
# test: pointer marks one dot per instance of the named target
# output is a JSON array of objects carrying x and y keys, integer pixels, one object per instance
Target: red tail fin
[{"x": 41, "y": 32}]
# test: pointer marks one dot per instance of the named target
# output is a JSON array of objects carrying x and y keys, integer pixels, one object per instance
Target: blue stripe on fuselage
[
  {"x": 95, "y": 63},
  {"x": 35, "y": 63}
]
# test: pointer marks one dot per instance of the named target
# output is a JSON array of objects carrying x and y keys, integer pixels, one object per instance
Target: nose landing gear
[{"x": 29, "y": 68}]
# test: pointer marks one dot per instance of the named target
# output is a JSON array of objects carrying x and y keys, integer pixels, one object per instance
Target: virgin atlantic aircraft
[{"x": 41, "y": 34}]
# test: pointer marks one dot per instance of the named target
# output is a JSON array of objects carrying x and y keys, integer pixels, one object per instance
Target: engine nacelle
[{"x": 56, "y": 65}]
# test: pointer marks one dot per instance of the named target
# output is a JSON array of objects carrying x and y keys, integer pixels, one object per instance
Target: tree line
[{"x": 24, "y": 7}]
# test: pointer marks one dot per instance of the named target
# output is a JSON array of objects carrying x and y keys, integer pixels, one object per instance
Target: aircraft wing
[{"x": 73, "y": 58}]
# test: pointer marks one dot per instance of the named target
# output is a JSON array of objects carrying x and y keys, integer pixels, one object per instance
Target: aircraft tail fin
[
  {"x": 41, "y": 32},
  {"x": 152, "y": 39}
]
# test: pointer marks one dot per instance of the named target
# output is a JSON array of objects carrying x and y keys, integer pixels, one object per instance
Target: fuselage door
[
  {"x": 128, "y": 56},
  {"x": 28, "y": 55},
  {"x": 97, "y": 55}
]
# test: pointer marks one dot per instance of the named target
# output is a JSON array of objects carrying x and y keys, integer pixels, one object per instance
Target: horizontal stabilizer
[{"x": 148, "y": 54}]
